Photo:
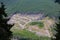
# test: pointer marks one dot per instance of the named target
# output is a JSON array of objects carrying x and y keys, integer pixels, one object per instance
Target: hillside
[
  {"x": 47, "y": 6},
  {"x": 33, "y": 24}
]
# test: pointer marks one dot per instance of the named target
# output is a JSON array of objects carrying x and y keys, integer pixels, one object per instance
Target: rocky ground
[{"x": 22, "y": 22}]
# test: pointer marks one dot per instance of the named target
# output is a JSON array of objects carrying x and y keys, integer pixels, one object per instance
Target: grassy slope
[{"x": 27, "y": 34}]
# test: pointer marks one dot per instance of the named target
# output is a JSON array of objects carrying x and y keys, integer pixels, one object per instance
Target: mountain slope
[{"x": 24, "y": 21}]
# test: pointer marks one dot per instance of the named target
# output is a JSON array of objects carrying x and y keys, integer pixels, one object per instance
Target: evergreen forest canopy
[{"x": 46, "y": 6}]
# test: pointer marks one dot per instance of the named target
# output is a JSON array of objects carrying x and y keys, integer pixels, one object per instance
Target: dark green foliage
[
  {"x": 40, "y": 24},
  {"x": 5, "y": 32},
  {"x": 58, "y": 1},
  {"x": 57, "y": 35},
  {"x": 58, "y": 31}
]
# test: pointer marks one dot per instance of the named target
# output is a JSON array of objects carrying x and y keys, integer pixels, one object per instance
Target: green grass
[
  {"x": 40, "y": 24},
  {"x": 27, "y": 34}
]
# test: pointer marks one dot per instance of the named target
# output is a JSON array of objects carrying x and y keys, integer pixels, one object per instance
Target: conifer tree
[
  {"x": 5, "y": 33},
  {"x": 58, "y": 31},
  {"x": 57, "y": 1}
]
